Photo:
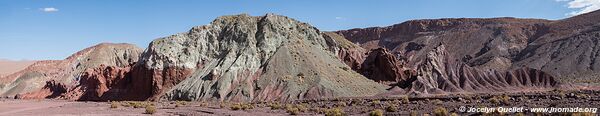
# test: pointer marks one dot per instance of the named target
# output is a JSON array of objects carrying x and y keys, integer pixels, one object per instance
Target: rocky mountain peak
[
  {"x": 110, "y": 54},
  {"x": 242, "y": 58},
  {"x": 236, "y": 31}
]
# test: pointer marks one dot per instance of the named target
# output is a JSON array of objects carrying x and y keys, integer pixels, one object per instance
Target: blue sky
[{"x": 54, "y": 29}]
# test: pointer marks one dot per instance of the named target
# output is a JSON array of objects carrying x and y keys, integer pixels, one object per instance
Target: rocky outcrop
[
  {"x": 245, "y": 58},
  {"x": 103, "y": 83},
  {"x": 32, "y": 82},
  {"x": 351, "y": 54},
  {"x": 151, "y": 84},
  {"x": 442, "y": 74},
  {"x": 383, "y": 67},
  {"x": 52, "y": 89}
]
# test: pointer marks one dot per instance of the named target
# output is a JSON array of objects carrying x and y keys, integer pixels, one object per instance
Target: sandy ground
[
  {"x": 8, "y": 67},
  {"x": 352, "y": 106},
  {"x": 12, "y": 107}
]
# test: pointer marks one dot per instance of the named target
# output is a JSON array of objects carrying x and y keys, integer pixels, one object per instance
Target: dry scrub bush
[
  {"x": 376, "y": 112},
  {"x": 392, "y": 108},
  {"x": 150, "y": 109},
  {"x": 274, "y": 106},
  {"x": 375, "y": 102},
  {"x": 334, "y": 112},
  {"x": 293, "y": 111},
  {"x": 114, "y": 104},
  {"x": 405, "y": 100},
  {"x": 440, "y": 111}
]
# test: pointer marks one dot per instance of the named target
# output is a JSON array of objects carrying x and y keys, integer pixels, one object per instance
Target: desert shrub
[
  {"x": 222, "y": 105},
  {"x": 376, "y": 112},
  {"x": 288, "y": 106},
  {"x": 302, "y": 107},
  {"x": 494, "y": 100},
  {"x": 519, "y": 114},
  {"x": 274, "y": 106},
  {"x": 247, "y": 106},
  {"x": 356, "y": 102},
  {"x": 440, "y": 111},
  {"x": 334, "y": 112},
  {"x": 150, "y": 103},
  {"x": 405, "y": 100},
  {"x": 125, "y": 104},
  {"x": 454, "y": 114},
  {"x": 505, "y": 99},
  {"x": 150, "y": 109},
  {"x": 180, "y": 103},
  {"x": 241, "y": 106},
  {"x": 114, "y": 104},
  {"x": 341, "y": 104},
  {"x": 391, "y": 108},
  {"x": 236, "y": 107},
  {"x": 562, "y": 94},
  {"x": 318, "y": 110},
  {"x": 437, "y": 101},
  {"x": 375, "y": 102},
  {"x": 395, "y": 101},
  {"x": 137, "y": 104},
  {"x": 293, "y": 111},
  {"x": 203, "y": 104},
  {"x": 413, "y": 113}
]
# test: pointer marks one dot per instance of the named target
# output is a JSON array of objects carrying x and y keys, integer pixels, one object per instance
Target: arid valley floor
[{"x": 348, "y": 106}]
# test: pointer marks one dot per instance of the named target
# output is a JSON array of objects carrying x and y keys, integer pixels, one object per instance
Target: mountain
[
  {"x": 568, "y": 49},
  {"x": 565, "y": 49},
  {"x": 53, "y": 77},
  {"x": 246, "y": 58},
  {"x": 442, "y": 74},
  {"x": 234, "y": 58}
]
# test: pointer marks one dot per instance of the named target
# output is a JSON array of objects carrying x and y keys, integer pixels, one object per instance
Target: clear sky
[{"x": 54, "y": 29}]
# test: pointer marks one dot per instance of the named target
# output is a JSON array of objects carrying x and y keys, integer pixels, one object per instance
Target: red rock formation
[
  {"x": 104, "y": 83},
  {"x": 382, "y": 66},
  {"x": 352, "y": 57},
  {"x": 52, "y": 89},
  {"x": 88, "y": 65},
  {"x": 152, "y": 83}
]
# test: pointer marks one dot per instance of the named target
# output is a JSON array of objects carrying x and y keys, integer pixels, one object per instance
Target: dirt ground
[{"x": 348, "y": 106}]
